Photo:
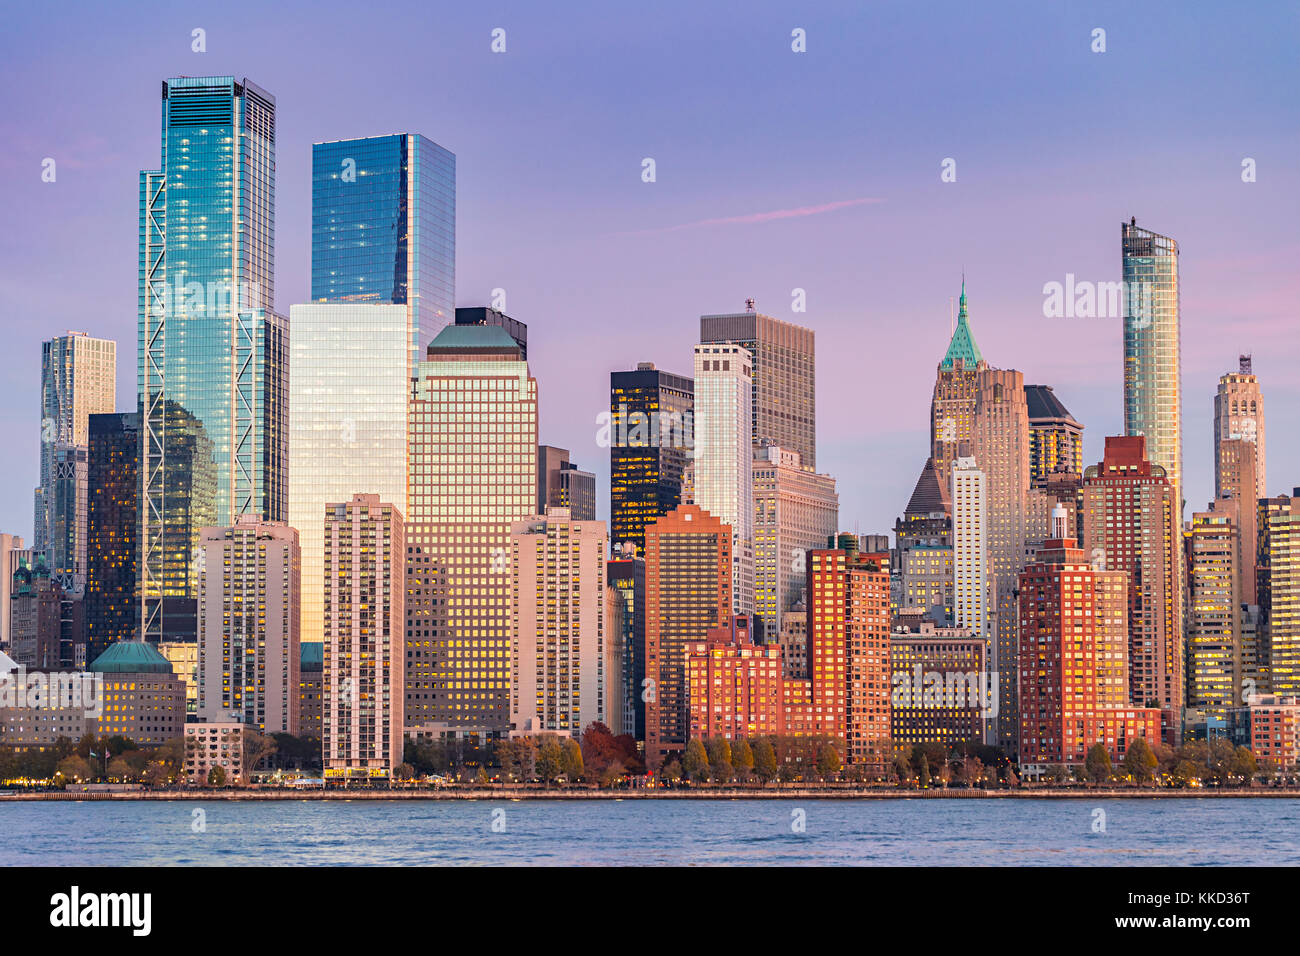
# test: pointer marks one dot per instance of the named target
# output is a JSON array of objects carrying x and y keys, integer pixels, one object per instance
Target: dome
[{"x": 131, "y": 657}]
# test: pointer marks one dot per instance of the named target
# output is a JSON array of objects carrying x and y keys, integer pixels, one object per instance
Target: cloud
[{"x": 797, "y": 213}]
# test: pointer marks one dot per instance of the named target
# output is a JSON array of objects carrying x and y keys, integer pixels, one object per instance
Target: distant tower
[
  {"x": 952, "y": 409},
  {"x": 1152, "y": 371},
  {"x": 1239, "y": 416}
]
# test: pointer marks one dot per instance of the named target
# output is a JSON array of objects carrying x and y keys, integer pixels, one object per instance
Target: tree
[
  {"x": 1244, "y": 764},
  {"x": 1057, "y": 773},
  {"x": 671, "y": 771},
  {"x": 764, "y": 760},
  {"x": 696, "y": 762},
  {"x": 481, "y": 778},
  {"x": 1140, "y": 760},
  {"x": 404, "y": 772},
  {"x": 599, "y": 748},
  {"x": 924, "y": 773},
  {"x": 217, "y": 777},
  {"x": 120, "y": 770},
  {"x": 572, "y": 760},
  {"x": 902, "y": 769},
  {"x": 1098, "y": 763},
  {"x": 76, "y": 768},
  {"x": 828, "y": 761},
  {"x": 550, "y": 760},
  {"x": 742, "y": 759},
  {"x": 256, "y": 748}
]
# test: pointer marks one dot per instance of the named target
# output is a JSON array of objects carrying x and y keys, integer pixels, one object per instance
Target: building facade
[
  {"x": 78, "y": 379},
  {"x": 560, "y": 676},
  {"x": 1239, "y": 417},
  {"x": 1062, "y": 708},
  {"x": 383, "y": 229},
  {"x": 723, "y": 463},
  {"x": 1152, "y": 347},
  {"x": 1278, "y": 580},
  {"x": 363, "y": 688},
  {"x": 350, "y": 382},
  {"x": 795, "y": 511},
  {"x": 1055, "y": 438},
  {"x": 1128, "y": 522},
  {"x": 688, "y": 593},
  {"x": 112, "y": 516},
  {"x": 249, "y": 625},
  {"x": 783, "y": 358},
  {"x": 213, "y": 353},
  {"x": 651, "y": 440},
  {"x": 473, "y": 475}
]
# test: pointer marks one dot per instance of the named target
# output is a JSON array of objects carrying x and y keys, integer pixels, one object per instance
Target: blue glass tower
[
  {"x": 383, "y": 229},
  {"x": 212, "y": 353}
]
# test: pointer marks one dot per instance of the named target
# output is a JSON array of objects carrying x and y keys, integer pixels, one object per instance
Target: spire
[{"x": 963, "y": 345}]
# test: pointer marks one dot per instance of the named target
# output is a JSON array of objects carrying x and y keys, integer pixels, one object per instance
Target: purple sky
[{"x": 1055, "y": 145}]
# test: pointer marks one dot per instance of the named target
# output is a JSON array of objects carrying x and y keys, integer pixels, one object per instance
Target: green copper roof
[
  {"x": 963, "y": 344},
  {"x": 473, "y": 337},
  {"x": 131, "y": 657}
]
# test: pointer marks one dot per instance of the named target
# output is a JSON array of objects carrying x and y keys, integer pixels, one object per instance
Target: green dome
[{"x": 131, "y": 657}]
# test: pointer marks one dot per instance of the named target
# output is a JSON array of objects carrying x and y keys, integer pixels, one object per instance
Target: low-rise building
[{"x": 216, "y": 744}]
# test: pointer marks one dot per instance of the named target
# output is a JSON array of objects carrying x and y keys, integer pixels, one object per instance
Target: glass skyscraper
[
  {"x": 1152, "y": 368},
  {"x": 212, "y": 353},
  {"x": 652, "y": 437},
  {"x": 78, "y": 379},
  {"x": 348, "y": 390},
  {"x": 383, "y": 228}
]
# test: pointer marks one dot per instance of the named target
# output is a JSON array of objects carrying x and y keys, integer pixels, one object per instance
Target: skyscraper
[
  {"x": 78, "y": 379},
  {"x": 561, "y": 674},
  {"x": 1278, "y": 562},
  {"x": 1128, "y": 522},
  {"x": 723, "y": 463},
  {"x": 363, "y": 686},
  {"x": 652, "y": 437},
  {"x": 349, "y": 384},
  {"x": 562, "y": 484},
  {"x": 1214, "y": 647},
  {"x": 952, "y": 408},
  {"x": 112, "y": 551},
  {"x": 1067, "y": 660},
  {"x": 1152, "y": 358},
  {"x": 473, "y": 475},
  {"x": 970, "y": 551},
  {"x": 688, "y": 592},
  {"x": 383, "y": 228},
  {"x": 783, "y": 357},
  {"x": 212, "y": 355},
  {"x": 626, "y": 614},
  {"x": 248, "y": 625},
  {"x": 1000, "y": 446},
  {"x": 1055, "y": 438},
  {"x": 795, "y": 511},
  {"x": 923, "y": 545},
  {"x": 1239, "y": 416},
  {"x": 847, "y": 694}
]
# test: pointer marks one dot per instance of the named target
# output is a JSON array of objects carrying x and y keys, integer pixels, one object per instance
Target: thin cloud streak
[{"x": 796, "y": 213}]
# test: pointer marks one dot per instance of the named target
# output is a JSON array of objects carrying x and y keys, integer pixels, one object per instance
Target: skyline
[{"x": 569, "y": 229}]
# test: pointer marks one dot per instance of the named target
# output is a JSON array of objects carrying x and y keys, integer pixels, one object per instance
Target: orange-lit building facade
[
  {"x": 734, "y": 686},
  {"x": 1065, "y": 674},
  {"x": 688, "y": 593},
  {"x": 1129, "y": 517}
]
